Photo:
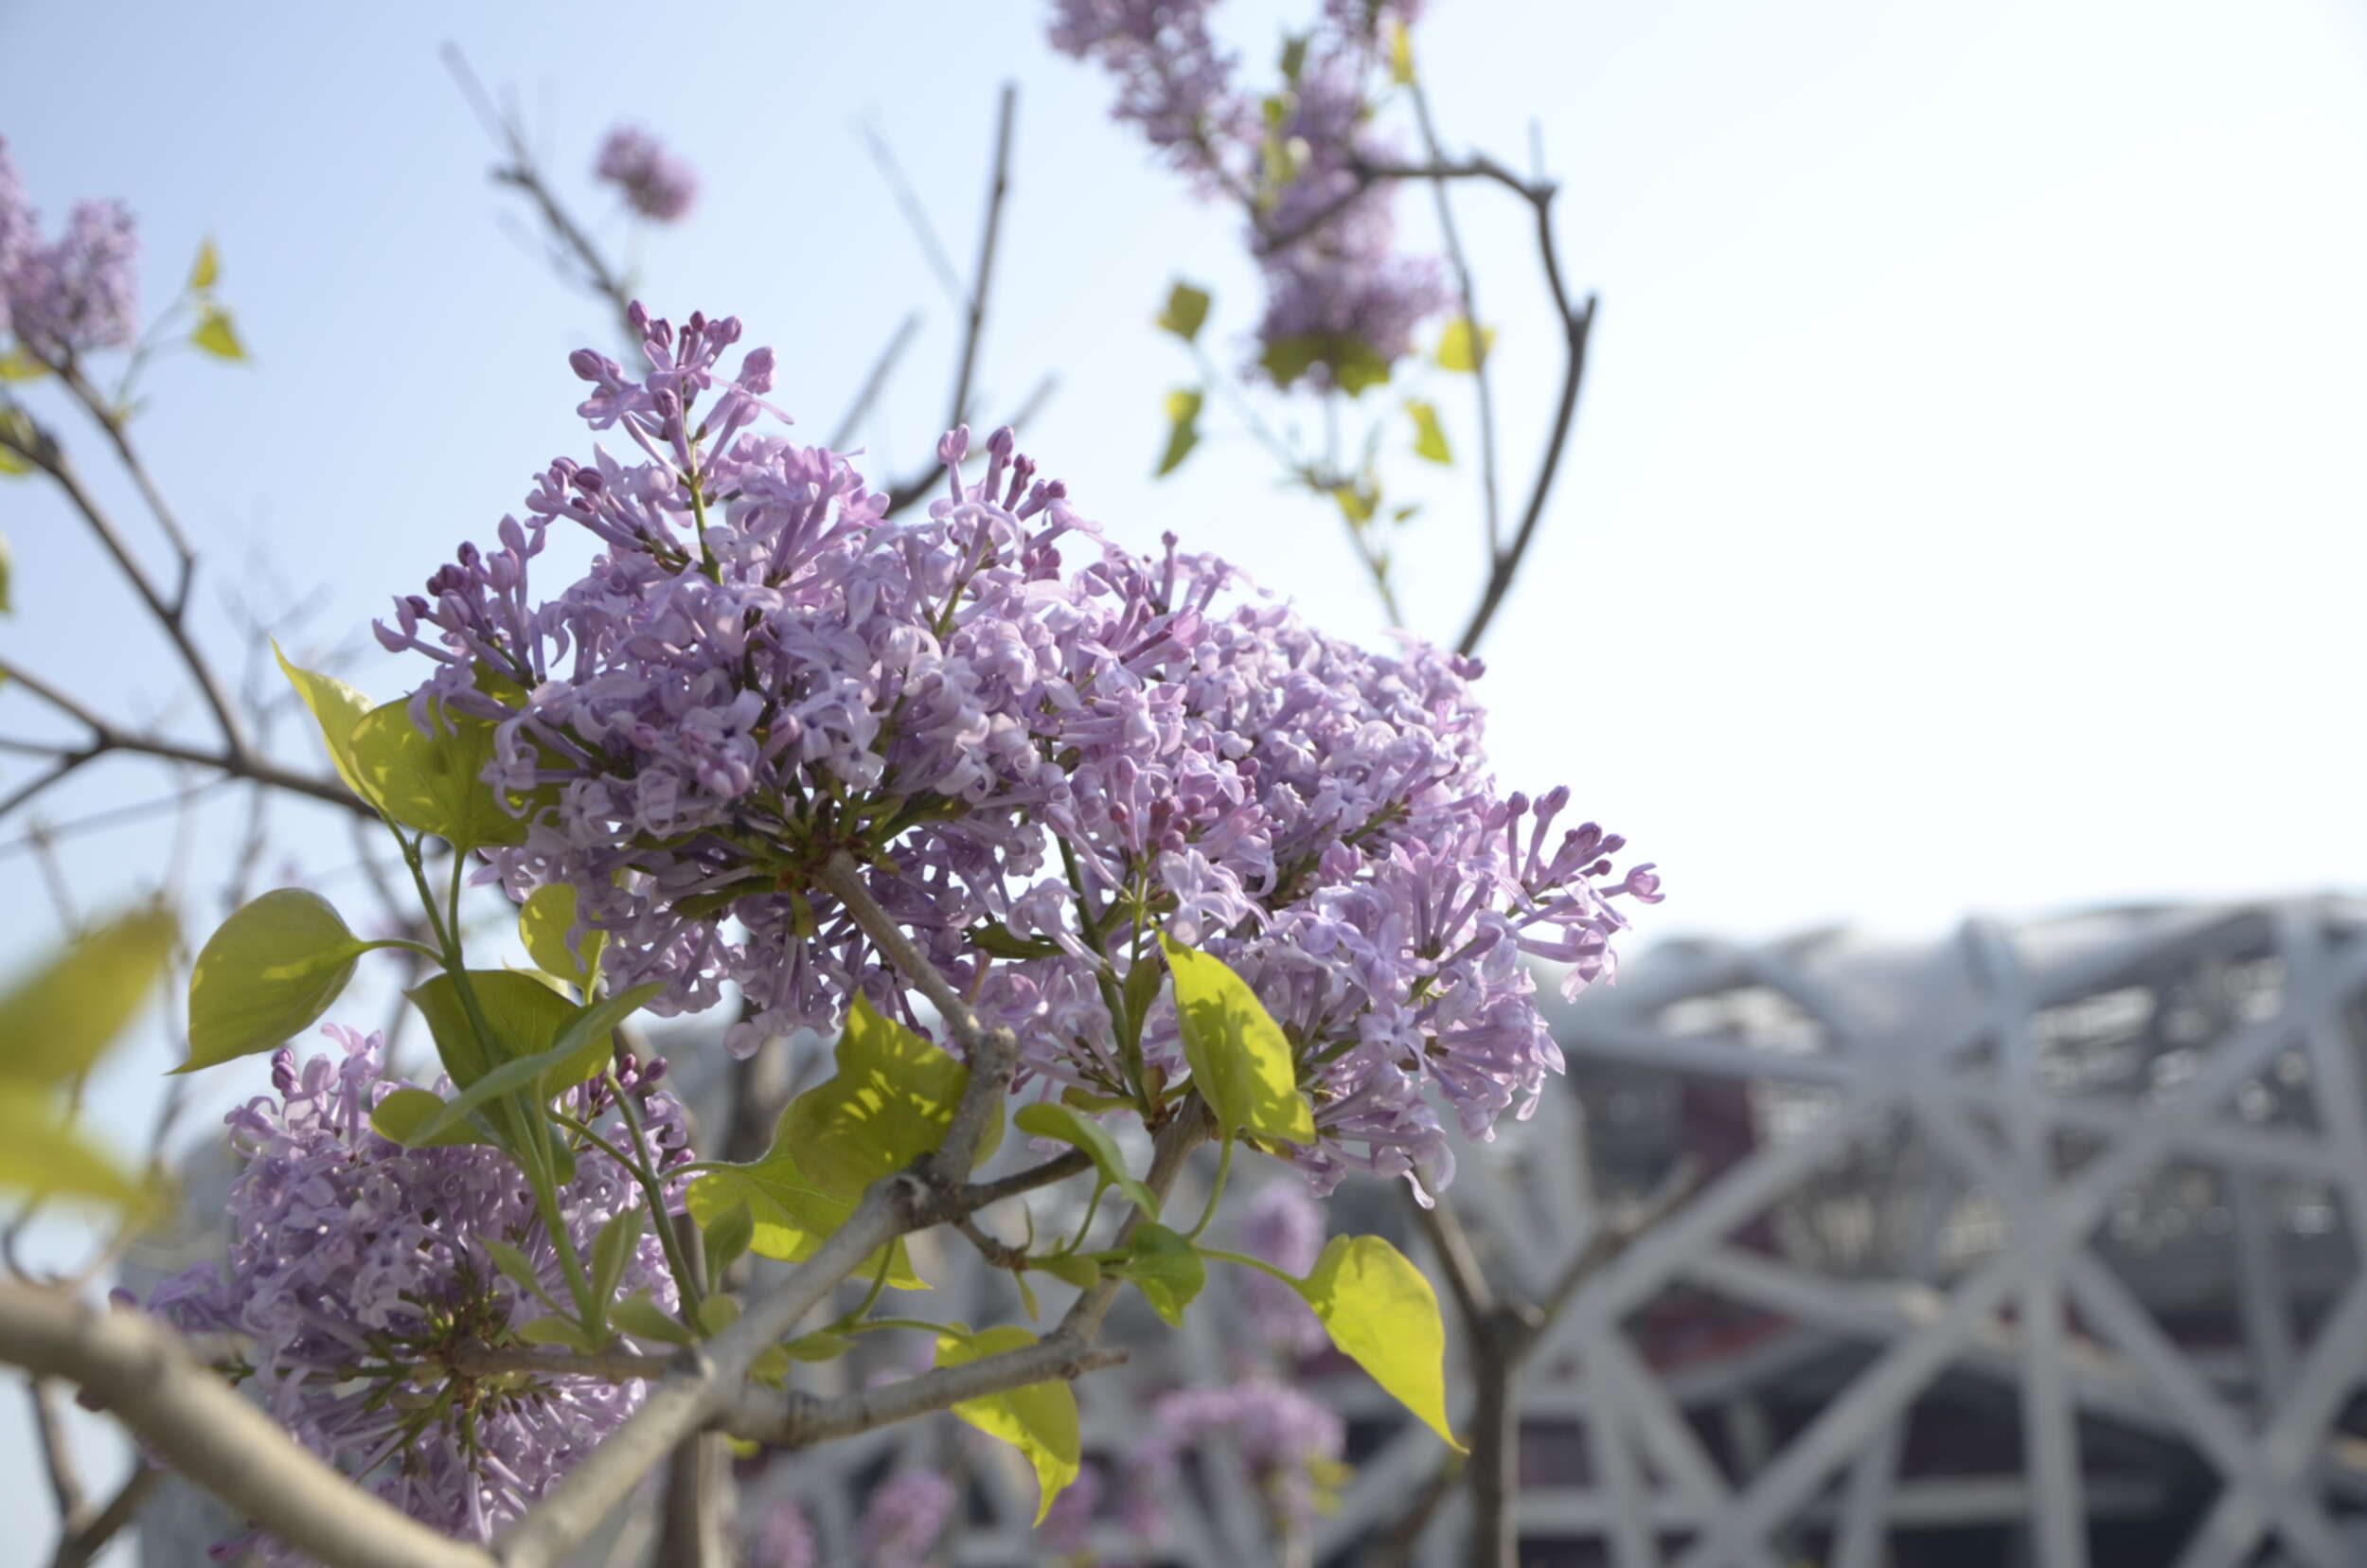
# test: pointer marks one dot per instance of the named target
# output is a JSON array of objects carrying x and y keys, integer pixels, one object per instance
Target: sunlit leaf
[
  {"x": 583, "y": 1032},
  {"x": 890, "y": 1103},
  {"x": 545, "y": 923},
  {"x": 434, "y": 782},
  {"x": 1050, "y": 1119},
  {"x": 1382, "y": 1314},
  {"x": 640, "y": 1315},
  {"x": 1430, "y": 437},
  {"x": 207, "y": 270},
  {"x": 1186, "y": 311},
  {"x": 269, "y": 974},
  {"x": 1241, "y": 1061},
  {"x": 1400, "y": 53},
  {"x": 16, "y": 366},
  {"x": 401, "y": 1117},
  {"x": 1354, "y": 363},
  {"x": 1459, "y": 349},
  {"x": 337, "y": 709},
  {"x": 524, "y": 1014},
  {"x": 56, "y": 1021},
  {"x": 215, "y": 335},
  {"x": 8, "y": 576},
  {"x": 1069, "y": 1269},
  {"x": 791, "y": 1216},
  {"x": 43, "y": 1156},
  {"x": 1039, "y": 1419},
  {"x": 1183, "y": 430},
  {"x": 1165, "y": 1269}
]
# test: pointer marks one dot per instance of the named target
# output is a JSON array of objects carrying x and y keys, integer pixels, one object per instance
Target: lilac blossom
[
  {"x": 1289, "y": 1445},
  {"x": 1003, "y": 717},
  {"x": 1284, "y": 1225},
  {"x": 356, "y": 1265},
  {"x": 78, "y": 295},
  {"x": 903, "y": 1519},
  {"x": 19, "y": 226},
  {"x": 657, "y": 182},
  {"x": 784, "y": 1539},
  {"x": 1174, "y": 83}
]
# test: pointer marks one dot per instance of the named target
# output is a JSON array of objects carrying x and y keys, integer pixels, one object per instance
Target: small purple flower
[
  {"x": 1289, "y": 1445},
  {"x": 357, "y": 1266},
  {"x": 657, "y": 182},
  {"x": 784, "y": 1539},
  {"x": 81, "y": 293},
  {"x": 904, "y": 1517},
  {"x": 1284, "y": 1225},
  {"x": 20, "y": 226}
]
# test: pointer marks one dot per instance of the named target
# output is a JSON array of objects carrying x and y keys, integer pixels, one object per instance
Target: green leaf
[
  {"x": 889, "y": 1103},
  {"x": 1459, "y": 349},
  {"x": 612, "y": 1249},
  {"x": 16, "y": 366},
  {"x": 820, "y": 1346},
  {"x": 7, "y": 572},
  {"x": 563, "y": 1331},
  {"x": 217, "y": 336},
  {"x": 727, "y": 1240},
  {"x": 1183, "y": 430},
  {"x": 1186, "y": 311},
  {"x": 1357, "y": 501},
  {"x": 1069, "y": 1269},
  {"x": 1382, "y": 1314},
  {"x": 1241, "y": 1061},
  {"x": 793, "y": 1216},
  {"x": 337, "y": 709},
  {"x": 269, "y": 974},
  {"x": 56, "y": 1021},
  {"x": 1400, "y": 53},
  {"x": 1430, "y": 437},
  {"x": 1354, "y": 363},
  {"x": 41, "y": 1156},
  {"x": 1165, "y": 1269},
  {"x": 1294, "y": 57},
  {"x": 1050, "y": 1119},
  {"x": 591, "y": 1031},
  {"x": 546, "y": 924},
  {"x": 514, "y": 1267},
  {"x": 640, "y": 1315},
  {"x": 400, "y": 1115},
  {"x": 558, "y": 1066},
  {"x": 1039, "y": 1419},
  {"x": 525, "y": 1015},
  {"x": 716, "y": 1313},
  {"x": 434, "y": 782},
  {"x": 206, "y": 269}
]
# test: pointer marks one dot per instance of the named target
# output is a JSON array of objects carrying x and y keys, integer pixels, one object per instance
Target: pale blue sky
[{"x": 1964, "y": 511}]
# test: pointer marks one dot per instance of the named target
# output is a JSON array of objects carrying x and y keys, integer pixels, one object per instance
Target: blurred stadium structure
[{"x": 2039, "y": 1247}]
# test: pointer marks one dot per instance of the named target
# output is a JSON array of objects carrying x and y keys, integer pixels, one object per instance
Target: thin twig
[
  {"x": 65, "y": 1483},
  {"x": 869, "y": 392},
  {"x": 909, "y": 202},
  {"x": 112, "y": 422},
  {"x": 1467, "y": 288},
  {"x": 91, "y": 1537},
  {"x": 1000, "y": 185}
]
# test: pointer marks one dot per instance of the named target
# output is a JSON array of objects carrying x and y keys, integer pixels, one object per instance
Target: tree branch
[
  {"x": 136, "y": 1367},
  {"x": 86, "y": 1540},
  {"x": 792, "y": 1419}
]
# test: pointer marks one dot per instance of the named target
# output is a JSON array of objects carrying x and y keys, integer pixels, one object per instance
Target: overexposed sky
[{"x": 1965, "y": 507}]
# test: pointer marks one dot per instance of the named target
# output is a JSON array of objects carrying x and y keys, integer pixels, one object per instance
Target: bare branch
[
  {"x": 915, "y": 214},
  {"x": 792, "y": 1420},
  {"x": 869, "y": 392},
  {"x": 1468, "y": 289},
  {"x": 1001, "y": 183},
  {"x": 65, "y": 1483},
  {"x": 86, "y": 1540},
  {"x": 112, "y": 422},
  {"x": 138, "y": 1368}
]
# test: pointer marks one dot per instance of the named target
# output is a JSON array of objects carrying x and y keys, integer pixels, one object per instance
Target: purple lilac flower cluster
[
  {"x": 1323, "y": 232},
  {"x": 354, "y": 1261},
  {"x": 784, "y": 1539},
  {"x": 74, "y": 296},
  {"x": 903, "y": 1519},
  {"x": 657, "y": 182},
  {"x": 1289, "y": 1445},
  {"x": 1042, "y": 749}
]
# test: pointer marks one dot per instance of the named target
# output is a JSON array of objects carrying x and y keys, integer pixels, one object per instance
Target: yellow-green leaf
[
  {"x": 401, "y": 1115},
  {"x": 217, "y": 336},
  {"x": 640, "y": 1315},
  {"x": 1400, "y": 53},
  {"x": 889, "y": 1103},
  {"x": 1039, "y": 1419},
  {"x": 1430, "y": 437},
  {"x": 1165, "y": 1269},
  {"x": 1241, "y": 1061},
  {"x": 18, "y": 366},
  {"x": 40, "y": 1155},
  {"x": 1186, "y": 311},
  {"x": 1183, "y": 430},
  {"x": 546, "y": 922},
  {"x": 206, "y": 269},
  {"x": 1050, "y": 1119},
  {"x": 56, "y": 1021},
  {"x": 337, "y": 709},
  {"x": 1459, "y": 348},
  {"x": 1382, "y": 1314},
  {"x": 524, "y": 1014},
  {"x": 433, "y": 782},
  {"x": 268, "y": 974},
  {"x": 792, "y": 1217},
  {"x": 7, "y": 573}
]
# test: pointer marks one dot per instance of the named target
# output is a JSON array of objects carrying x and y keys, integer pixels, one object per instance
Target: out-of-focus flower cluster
[
  {"x": 1284, "y": 1225},
  {"x": 354, "y": 1261},
  {"x": 1041, "y": 748},
  {"x": 656, "y": 182},
  {"x": 1289, "y": 1446},
  {"x": 1340, "y": 299},
  {"x": 77, "y": 294},
  {"x": 904, "y": 1516}
]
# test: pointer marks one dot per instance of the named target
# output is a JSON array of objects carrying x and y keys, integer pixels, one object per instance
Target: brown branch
[
  {"x": 86, "y": 1540},
  {"x": 869, "y": 392},
  {"x": 1468, "y": 289},
  {"x": 790, "y": 1420},
  {"x": 57, "y": 1459},
  {"x": 112, "y": 422},
  {"x": 136, "y": 1367}
]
